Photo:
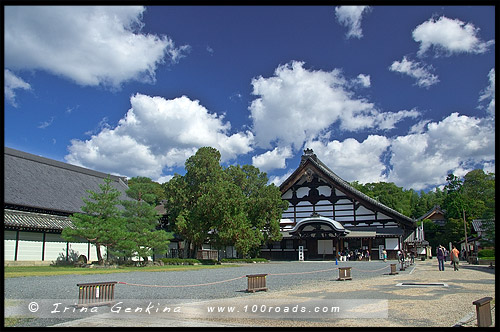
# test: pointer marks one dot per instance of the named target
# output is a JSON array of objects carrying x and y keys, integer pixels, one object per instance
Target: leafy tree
[
  {"x": 232, "y": 206},
  {"x": 101, "y": 222},
  {"x": 143, "y": 188},
  {"x": 433, "y": 233},
  {"x": 145, "y": 237},
  {"x": 264, "y": 205}
]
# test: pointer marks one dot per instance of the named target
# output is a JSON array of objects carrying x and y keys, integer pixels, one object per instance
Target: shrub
[
  {"x": 208, "y": 261},
  {"x": 179, "y": 261},
  {"x": 486, "y": 253},
  {"x": 243, "y": 260}
]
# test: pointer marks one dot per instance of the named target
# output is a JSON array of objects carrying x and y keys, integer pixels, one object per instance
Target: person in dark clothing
[{"x": 440, "y": 257}]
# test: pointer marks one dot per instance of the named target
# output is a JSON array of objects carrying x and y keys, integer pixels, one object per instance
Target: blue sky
[{"x": 402, "y": 94}]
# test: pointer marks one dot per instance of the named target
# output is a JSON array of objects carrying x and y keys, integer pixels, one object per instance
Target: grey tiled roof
[
  {"x": 38, "y": 221},
  {"x": 43, "y": 183}
]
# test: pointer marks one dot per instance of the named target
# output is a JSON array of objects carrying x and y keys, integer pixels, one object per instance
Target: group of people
[
  {"x": 442, "y": 254},
  {"x": 355, "y": 255},
  {"x": 402, "y": 255}
]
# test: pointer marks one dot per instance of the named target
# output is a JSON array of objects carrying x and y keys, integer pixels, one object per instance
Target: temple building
[
  {"x": 40, "y": 195},
  {"x": 326, "y": 215}
]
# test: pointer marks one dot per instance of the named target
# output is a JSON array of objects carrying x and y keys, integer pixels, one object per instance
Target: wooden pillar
[
  {"x": 88, "y": 251},
  {"x": 67, "y": 251},
  {"x": 17, "y": 245},
  {"x": 43, "y": 246}
]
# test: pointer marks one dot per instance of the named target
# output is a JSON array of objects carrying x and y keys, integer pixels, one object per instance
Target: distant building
[
  {"x": 326, "y": 215},
  {"x": 40, "y": 195},
  {"x": 436, "y": 215}
]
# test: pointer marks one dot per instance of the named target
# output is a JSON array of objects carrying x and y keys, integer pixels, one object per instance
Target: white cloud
[
  {"x": 449, "y": 36},
  {"x": 296, "y": 105},
  {"x": 157, "y": 133},
  {"x": 424, "y": 157},
  {"x": 352, "y": 160},
  {"x": 278, "y": 180},
  {"x": 363, "y": 80},
  {"x": 272, "y": 159},
  {"x": 350, "y": 17},
  {"x": 92, "y": 46},
  {"x": 417, "y": 70},
  {"x": 11, "y": 83},
  {"x": 489, "y": 93}
]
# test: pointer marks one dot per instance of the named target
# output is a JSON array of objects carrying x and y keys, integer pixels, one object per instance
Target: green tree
[
  {"x": 101, "y": 223},
  {"x": 232, "y": 206},
  {"x": 143, "y": 188},
  {"x": 388, "y": 194},
  {"x": 263, "y": 204},
  {"x": 433, "y": 233},
  {"x": 144, "y": 236}
]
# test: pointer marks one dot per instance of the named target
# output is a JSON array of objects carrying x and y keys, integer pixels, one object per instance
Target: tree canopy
[
  {"x": 127, "y": 232},
  {"x": 232, "y": 206},
  {"x": 472, "y": 195}
]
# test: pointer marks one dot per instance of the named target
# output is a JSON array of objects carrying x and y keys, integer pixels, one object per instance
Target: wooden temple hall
[{"x": 326, "y": 215}]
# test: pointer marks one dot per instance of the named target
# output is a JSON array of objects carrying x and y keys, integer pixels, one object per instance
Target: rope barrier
[
  {"x": 228, "y": 280},
  {"x": 290, "y": 273},
  {"x": 172, "y": 286},
  {"x": 385, "y": 267}
]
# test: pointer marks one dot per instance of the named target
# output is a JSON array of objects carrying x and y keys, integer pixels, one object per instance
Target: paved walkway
[{"x": 431, "y": 305}]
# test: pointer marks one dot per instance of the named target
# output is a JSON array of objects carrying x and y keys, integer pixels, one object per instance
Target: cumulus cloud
[
  {"x": 350, "y": 17},
  {"x": 305, "y": 103},
  {"x": 272, "y": 159},
  {"x": 353, "y": 160},
  {"x": 11, "y": 83},
  {"x": 96, "y": 45},
  {"x": 278, "y": 180},
  {"x": 424, "y": 157},
  {"x": 488, "y": 94},
  {"x": 417, "y": 70},
  {"x": 449, "y": 36},
  {"x": 157, "y": 133},
  {"x": 363, "y": 80}
]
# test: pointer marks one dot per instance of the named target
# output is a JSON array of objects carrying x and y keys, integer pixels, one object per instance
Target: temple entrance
[{"x": 321, "y": 235}]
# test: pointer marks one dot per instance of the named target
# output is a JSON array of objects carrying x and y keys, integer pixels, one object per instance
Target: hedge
[
  {"x": 244, "y": 260},
  {"x": 486, "y": 253},
  {"x": 180, "y": 261}
]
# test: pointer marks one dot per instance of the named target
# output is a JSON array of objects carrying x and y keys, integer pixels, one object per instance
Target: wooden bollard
[
  {"x": 483, "y": 311},
  {"x": 393, "y": 269},
  {"x": 256, "y": 282},
  {"x": 344, "y": 273}
]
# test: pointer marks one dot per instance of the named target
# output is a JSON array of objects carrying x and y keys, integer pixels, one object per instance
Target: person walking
[
  {"x": 384, "y": 252},
  {"x": 454, "y": 258},
  {"x": 440, "y": 257}
]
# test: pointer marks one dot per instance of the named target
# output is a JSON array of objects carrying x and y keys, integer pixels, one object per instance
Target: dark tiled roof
[
  {"x": 43, "y": 183},
  {"x": 36, "y": 221},
  {"x": 309, "y": 157},
  {"x": 435, "y": 210}
]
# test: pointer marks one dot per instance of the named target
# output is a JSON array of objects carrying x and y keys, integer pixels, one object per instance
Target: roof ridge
[
  {"x": 60, "y": 164},
  {"x": 349, "y": 187}
]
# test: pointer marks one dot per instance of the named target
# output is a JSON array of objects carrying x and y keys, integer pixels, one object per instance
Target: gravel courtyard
[{"x": 407, "y": 306}]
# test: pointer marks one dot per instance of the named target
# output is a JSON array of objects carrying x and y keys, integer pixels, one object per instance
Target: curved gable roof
[{"x": 309, "y": 160}]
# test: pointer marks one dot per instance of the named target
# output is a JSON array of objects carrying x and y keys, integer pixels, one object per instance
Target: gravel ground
[
  {"x": 64, "y": 287},
  {"x": 408, "y": 306}
]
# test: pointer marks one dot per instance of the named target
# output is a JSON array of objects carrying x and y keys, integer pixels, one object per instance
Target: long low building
[
  {"x": 326, "y": 215},
  {"x": 40, "y": 195}
]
